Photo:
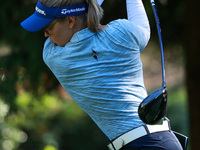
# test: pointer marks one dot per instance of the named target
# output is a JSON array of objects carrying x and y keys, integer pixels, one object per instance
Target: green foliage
[
  {"x": 178, "y": 110},
  {"x": 49, "y": 123},
  {"x": 10, "y": 136}
]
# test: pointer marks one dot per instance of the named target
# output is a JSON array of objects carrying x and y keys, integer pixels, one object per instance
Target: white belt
[{"x": 137, "y": 133}]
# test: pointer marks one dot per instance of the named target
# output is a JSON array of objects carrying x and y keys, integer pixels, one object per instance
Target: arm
[{"x": 137, "y": 14}]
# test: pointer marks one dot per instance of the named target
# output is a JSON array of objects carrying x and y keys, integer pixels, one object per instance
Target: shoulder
[
  {"x": 127, "y": 32},
  {"x": 123, "y": 23},
  {"x": 125, "y": 26},
  {"x": 119, "y": 21}
]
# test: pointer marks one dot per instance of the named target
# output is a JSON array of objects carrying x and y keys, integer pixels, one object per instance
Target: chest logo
[{"x": 94, "y": 54}]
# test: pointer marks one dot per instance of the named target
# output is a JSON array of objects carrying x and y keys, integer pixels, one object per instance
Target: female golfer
[{"x": 100, "y": 67}]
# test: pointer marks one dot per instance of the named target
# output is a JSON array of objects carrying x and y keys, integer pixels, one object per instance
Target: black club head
[{"x": 154, "y": 107}]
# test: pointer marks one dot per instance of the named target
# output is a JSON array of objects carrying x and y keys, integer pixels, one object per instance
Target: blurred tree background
[{"x": 35, "y": 112}]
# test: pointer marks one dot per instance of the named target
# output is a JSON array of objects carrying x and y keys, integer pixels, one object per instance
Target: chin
[
  {"x": 61, "y": 45},
  {"x": 58, "y": 45}
]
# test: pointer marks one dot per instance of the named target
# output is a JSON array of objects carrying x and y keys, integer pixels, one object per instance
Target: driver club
[{"x": 153, "y": 108}]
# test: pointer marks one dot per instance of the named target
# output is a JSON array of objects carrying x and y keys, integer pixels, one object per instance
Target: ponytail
[{"x": 94, "y": 16}]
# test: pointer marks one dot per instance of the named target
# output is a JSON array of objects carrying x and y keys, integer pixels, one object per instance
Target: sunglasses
[{"x": 48, "y": 27}]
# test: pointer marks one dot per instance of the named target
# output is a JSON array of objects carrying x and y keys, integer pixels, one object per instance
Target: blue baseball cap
[{"x": 45, "y": 14}]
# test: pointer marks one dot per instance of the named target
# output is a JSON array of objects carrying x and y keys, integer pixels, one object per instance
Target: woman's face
[{"x": 60, "y": 31}]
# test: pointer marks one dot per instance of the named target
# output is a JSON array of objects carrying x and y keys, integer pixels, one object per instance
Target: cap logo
[
  {"x": 67, "y": 11},
  {"x": 40, "y": 11}
]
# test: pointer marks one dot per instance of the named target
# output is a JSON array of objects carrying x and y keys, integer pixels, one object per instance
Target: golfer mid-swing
[{"x": 100, "y": 67}]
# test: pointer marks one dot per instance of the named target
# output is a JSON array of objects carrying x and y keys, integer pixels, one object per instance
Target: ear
[{"x": 71, "y": 21}]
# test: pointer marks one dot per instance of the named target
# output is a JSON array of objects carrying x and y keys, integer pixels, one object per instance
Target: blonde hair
[{"x": 92, "y": 18}]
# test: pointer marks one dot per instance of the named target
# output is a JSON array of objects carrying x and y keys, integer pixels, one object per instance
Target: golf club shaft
[{"x": 160, "y": 40}]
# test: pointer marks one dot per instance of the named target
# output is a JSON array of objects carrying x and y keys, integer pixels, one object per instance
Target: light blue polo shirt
[{"x": 102, "y": 72}]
